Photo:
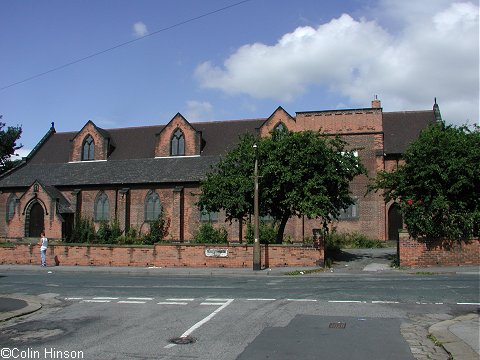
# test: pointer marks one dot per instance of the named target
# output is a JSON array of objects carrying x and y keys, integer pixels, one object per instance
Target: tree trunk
[{"x": 281, "y": 228}]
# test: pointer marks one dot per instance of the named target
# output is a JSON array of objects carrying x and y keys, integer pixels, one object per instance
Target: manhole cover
[
  {"x": 183, "y": 340},
  {"x": 337, "y": 325}
]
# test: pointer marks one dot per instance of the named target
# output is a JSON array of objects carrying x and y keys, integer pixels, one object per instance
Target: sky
[{"x": 123, "y": 63}]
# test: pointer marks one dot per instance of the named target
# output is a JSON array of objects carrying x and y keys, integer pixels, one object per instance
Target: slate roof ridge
[
  {"x": 408, "y": 111},
  {"x": 226, "y": 121}
]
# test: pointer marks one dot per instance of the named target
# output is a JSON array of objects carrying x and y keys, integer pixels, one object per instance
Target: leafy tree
[
  {"x": 301, "y": 173},
  {"x": 305, "y": 173},
  {"x": 8, "y": 146},
  {"x": 229, "y": 186},
  {"x": 438, "y": 187}
]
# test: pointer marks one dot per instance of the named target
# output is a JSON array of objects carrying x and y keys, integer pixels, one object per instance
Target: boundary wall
[
  {"x": 425, "y": 253},
  {"x": 163, "y": 255}
]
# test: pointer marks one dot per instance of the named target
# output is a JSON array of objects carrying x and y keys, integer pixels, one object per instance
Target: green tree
[
  {"x": 301, "y": 173},
  {"x": 438, "y": 187},
  {"x": 305, "y": 173},
  {"x": 229, "y": 185},
  {"x": 8, "y": 146}
]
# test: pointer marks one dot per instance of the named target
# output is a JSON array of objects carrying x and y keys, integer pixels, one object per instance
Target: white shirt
[{"x": 44, "y": 244}]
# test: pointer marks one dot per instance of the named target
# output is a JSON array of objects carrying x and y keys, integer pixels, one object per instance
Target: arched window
[
  {"x": 177, "y": 144},
  {"x": 11, "y": 204},
  {"x": 153, "y": 207},
  {"x": 280, "y": 127},
  {"x": 88, "y": 151},
  {"x": 102, "y": 208}
]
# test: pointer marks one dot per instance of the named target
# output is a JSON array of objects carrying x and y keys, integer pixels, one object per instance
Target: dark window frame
[
  {"x": 88, "y": 148},
  {"x": 102, "y": 208},
  {"x": 177, "y": 143},
  {"x": 151, "y": 200},
  {"x": 11, "y": 207}
]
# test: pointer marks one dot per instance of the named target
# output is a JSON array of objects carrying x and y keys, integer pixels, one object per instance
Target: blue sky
[{"x": 237, "y": 63}]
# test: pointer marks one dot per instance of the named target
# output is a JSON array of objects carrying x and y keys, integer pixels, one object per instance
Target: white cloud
[
  {"x": 140, "y": 29},
  {"x": 198, "y": 110},
  {"x": 431, "y": 51},
  {"x": 20, "y": 153}
]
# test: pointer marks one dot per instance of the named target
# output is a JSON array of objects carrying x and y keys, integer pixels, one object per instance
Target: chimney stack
[{"x": 376, "y": 104}]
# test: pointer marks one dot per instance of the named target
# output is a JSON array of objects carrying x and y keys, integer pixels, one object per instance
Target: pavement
[{"x": 458, "y": 336}]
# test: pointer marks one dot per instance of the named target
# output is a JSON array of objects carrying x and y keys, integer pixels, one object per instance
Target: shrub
[
  {"x": 266, "y": 232},
  {"x": 207, "y": 234},
  {"x": 129, "y": 238},
  {"x": 83, "y": 232},
  {"x": 335, "y": 241},
  {"x": 158, "y": 231},
  {"x": 108, "y": 232}
]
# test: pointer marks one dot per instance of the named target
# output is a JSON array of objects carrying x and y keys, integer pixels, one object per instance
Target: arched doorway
[
  {"x": 36, "y": 220},
  {"x": 395, "y": 222}
]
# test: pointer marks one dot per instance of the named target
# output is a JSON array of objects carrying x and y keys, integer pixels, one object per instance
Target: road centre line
[
  {"x": 140, "y": 298},
  {"x": 467, "y": 303},
  {"x": 181, "y": 299},
  {"x": 73, "y": 298},
  {"x": 131, "y": 302},
  {"x": 260, "y": 299},
  {"x": 96, "y": 301},
  {"x": 303, "y": 300},
  {"x": 105, "y": 298},
  {"x": 203, "y": 321},
  {"x": 385, "y": 302},
  {"x": 172, "y": 303},
  {"x": 347, "y": 301}
]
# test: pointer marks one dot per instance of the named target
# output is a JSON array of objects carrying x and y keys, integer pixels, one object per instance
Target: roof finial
[{"x": 53, "y": 126}]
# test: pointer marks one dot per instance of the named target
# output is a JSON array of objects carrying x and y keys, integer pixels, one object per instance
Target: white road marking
[
  {"x": 260, "y": 299},
  {"x": 73, "y": 298},
  {"x": 181, "y": 299},
  {"x": 347, "y": 301},
  {"x": 303, "y": 300},
  {"x": 171, "y": 303},
  {"x": 385, "y": 302},
  {"x": 208, "y": 318},
  {"x": 105, "y": 298},
  {"x": 203, "y": 321},
  {"x": 140, "y": 298},
  {"x": 466, "y": 303},
  {"x": 131, "y": 302},
  {"x": 96, "y": 301},
  {"x": 212, "y": 303}
]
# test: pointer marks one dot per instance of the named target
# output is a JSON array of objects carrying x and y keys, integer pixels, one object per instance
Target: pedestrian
[{"x": 43, "y": 248}]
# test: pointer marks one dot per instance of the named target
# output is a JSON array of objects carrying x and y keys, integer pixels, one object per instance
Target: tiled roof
[
  {"x": 403, "y": 127},
  {"x": 115, "y": 172},
  {"x": 132, "y": 160}
]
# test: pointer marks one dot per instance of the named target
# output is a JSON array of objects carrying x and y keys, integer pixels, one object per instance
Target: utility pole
[{"x": 256, "y": 243}]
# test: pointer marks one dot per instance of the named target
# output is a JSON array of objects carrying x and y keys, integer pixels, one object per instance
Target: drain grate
[
  {"x": 337, "y": 325},
  {"x": 183, "y": 340}
]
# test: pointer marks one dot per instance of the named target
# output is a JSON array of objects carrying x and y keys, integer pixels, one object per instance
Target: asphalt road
[{"x": 332, "y": 316}]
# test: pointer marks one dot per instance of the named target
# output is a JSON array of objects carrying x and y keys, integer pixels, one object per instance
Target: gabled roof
[{"x": 402, "y": 128}]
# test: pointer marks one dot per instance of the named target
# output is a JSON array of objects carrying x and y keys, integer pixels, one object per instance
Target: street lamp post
[{"x": 256, "y": 243}]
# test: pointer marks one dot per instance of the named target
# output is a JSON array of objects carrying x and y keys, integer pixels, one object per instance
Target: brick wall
[
  {"x": 162, "y": 255},
  {"x": 414, "y": 253},
  {"x": 101, "y": 144},
  {"x": 192, "y": 137}
]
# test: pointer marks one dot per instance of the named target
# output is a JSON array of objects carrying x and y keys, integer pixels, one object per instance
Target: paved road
[{"x": 120, "y": 316}]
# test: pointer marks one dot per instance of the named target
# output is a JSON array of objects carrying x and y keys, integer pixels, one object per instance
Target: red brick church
[{"x": 133, "y": 174}]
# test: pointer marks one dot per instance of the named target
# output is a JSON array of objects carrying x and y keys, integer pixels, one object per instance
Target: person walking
[{"x": 43, "y": 248}]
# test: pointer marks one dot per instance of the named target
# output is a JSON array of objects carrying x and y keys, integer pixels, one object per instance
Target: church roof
[{"x": 132, "y": 160}]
